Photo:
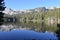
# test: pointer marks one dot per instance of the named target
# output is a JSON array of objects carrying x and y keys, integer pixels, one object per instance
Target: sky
[{"x": 30, "y": 4}]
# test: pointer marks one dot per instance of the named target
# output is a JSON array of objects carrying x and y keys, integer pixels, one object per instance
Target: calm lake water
[
  {"x": 26, "y": 35},
  {"x": 33, "y": 31}
]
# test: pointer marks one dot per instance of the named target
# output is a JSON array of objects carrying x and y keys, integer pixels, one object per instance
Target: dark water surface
[{"x": 26, "y": 35}]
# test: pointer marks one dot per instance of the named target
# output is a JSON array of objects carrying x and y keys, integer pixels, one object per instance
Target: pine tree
[{"x": 2, "y": 7}]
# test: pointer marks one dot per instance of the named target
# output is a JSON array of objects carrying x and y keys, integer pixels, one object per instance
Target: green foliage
[{"x": 33, "y": 20}]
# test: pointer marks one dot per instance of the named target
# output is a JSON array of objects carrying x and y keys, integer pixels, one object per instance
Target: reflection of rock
[
  {"x": 7, "y": 27},
  {"x": 1, "y": 28}
]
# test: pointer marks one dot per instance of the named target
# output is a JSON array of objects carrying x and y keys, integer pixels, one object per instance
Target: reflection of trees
[
  {"x": 37, "y": 26},
  {"x": 58, "y": 24}
]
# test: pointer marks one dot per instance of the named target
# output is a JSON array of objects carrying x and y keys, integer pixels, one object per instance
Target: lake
[
  {"x": 32, "y": 30},
  {"x": 26, "y": 35}
]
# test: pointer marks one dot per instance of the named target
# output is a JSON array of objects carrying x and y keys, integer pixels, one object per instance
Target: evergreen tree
[{"x": 2, "y": 7}]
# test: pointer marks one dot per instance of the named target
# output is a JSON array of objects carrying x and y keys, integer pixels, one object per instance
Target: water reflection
[{"x": 37, "y": 26}]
